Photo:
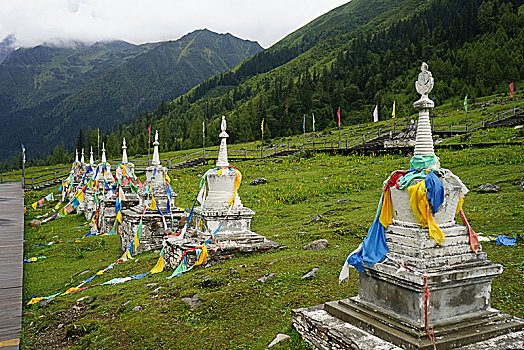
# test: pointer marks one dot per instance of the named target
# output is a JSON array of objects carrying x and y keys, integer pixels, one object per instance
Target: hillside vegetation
[
  {"x": 358, "y": 55},
  {"x": 47, "y": 93}
]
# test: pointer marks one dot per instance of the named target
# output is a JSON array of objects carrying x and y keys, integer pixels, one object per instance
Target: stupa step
[
  {"x": 422, "y": 264},
  {"x": 425, "y": 243},
  {"x": 419, "y": 233},
  {"x": 432, "y": 252},
  {"x": 450, "y": 334}
]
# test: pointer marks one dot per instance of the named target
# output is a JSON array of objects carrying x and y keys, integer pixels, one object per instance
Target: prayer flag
[
  {"x": 393, "y": 113},
  {"x": 149, "y": 131},
  {"x": 153, "y": 203},
  {"x": 262, "y": 126},
  {"x": 80, "y": 196},
  {"x": 202, "y": 195},
  {"x": 511, "y": 90},
  {"x": 23, "y": 153},
  {"x": 313, "y": 122},
  {"x": 203, "y": 128},
  {"x": 338, "y": 115},
  {"x": 466, "y": 103},
  {"x": 375, "y": 114},
  {"x": 34, "y": 205},
  {"x": 159, "y": 267},
  {"x": 41, "y": 202},
  {"x": 304, "y": 123}
]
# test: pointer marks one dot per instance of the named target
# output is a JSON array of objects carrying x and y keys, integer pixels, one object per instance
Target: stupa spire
[
  {"x": 222, "y": 153},
  {"x": 76, "y": 155},
  {"x": 156, "y": 158},
  {"x": 424, "y": 140},
  {"x": 82, "y": 159},
  {"x": 124, "y": 151},
  {"x": 91, "y": 159},
  {"x": 104, "y": 159}
]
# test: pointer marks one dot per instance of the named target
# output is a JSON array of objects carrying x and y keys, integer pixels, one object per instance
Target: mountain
[
  {"x": 48, "y": 93},
  {"x": 360, "y": 54},
  {"x": 7, "y": 45}
]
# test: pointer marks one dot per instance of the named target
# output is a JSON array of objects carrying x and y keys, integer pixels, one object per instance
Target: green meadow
[{"x": 237, "y": 311}]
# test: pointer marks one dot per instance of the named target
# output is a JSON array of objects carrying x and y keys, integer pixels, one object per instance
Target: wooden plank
[{"x": 11, "y": 265}]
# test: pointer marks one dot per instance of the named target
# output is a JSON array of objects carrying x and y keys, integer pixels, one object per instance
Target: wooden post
[
  {"x": 32, "y": 182},
  {"x": 55, "y": 175},
  {"x": 245, "y": 153},
  {"x": 395, "y": 126},
  {"x": 186, "y": 157},
  {"x": 450, "y": 128},
  {"x": 170, "y": 162}
]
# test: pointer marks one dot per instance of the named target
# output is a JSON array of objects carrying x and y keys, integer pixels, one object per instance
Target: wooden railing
[{"x": 393, "y": 127}]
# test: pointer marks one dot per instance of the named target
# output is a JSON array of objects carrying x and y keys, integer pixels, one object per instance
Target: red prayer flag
[
  {"x": 338, "y": 114},
  {"x": 511, "y": 90}
]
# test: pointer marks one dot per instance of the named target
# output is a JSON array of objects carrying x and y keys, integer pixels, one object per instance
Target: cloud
[{"x": 55, "y": 21}]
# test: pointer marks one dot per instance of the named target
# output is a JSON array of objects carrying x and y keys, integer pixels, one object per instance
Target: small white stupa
[
  {"x": 221, "y": 217},
  {"x": 156, "y": 208}
]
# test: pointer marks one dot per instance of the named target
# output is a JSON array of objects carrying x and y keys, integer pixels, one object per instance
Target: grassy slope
[{"x": 237, "y": 311}]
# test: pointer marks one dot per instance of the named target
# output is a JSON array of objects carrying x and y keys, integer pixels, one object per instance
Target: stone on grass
[
  {"x": 317, "y": 217},
  {"x": 258, "y": 181},
  {"x": 86, "y": 300},
  {"x": 343, "y": 200},
  {"x": 280, "y": 337},
  {"x": 35, "y": 223},
  {"x": 488, "y": 188},
  {"x": 137, "y": 308},
  {"x": 320, "y": 244},
  {"x": 193, "y": 302},
  {"x": 151, "y": 284},
  {"x": 265, "y": 278},
  {"x": 310, "y": 274}
]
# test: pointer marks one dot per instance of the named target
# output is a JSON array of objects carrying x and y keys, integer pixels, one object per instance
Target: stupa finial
[
  {"x": 124, "y": 151},
  {"x": 82, "y": 159},
  {"x": 91, "y": 159},
  {"x": 424, "y": 140},
  {"x": 104, "y": 159},
  {"x": 222, "y": 153},
  {"x": 156, "y": 158},
  {"x": 76, "y": 155}
]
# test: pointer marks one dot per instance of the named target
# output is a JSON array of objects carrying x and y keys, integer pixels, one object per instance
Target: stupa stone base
[
  {"x": 353, "y": 324},
  {"x": 153, "y": 227},
  {"x": 224, "y": 246},
  {"x": 107, "y": 215}
]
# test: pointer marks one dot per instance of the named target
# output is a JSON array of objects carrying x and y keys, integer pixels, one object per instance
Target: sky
[{"x": 55, "y": 21}]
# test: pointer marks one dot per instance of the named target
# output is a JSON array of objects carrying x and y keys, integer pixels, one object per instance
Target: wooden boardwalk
[{"x": 11, "y": 265}]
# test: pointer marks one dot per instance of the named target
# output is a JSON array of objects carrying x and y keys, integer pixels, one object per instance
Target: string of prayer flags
[{"x": 33, "y": 259}]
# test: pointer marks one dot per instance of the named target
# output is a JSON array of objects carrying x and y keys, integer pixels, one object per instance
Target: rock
[
  {"x": 137, "y": 308},
  {"x": 151, "y": 284},
  {"x": 86, "y": 300},
  {"x": 193, "y": 302},
  {"x": 311, "y": 274},
  {"x": 258, "y": 181},
  {"x": 127, "y": 302},
  {"x": 320, "y": 244},
  {"x": 60, "y": 325},
  {"x": 265, "y": 278},
  {"x": 488, "y": 188},
  {"x": 343, "y": 201},
  {"x": 317, "y": 217},
  {"x": 35, "y": 223},
  {"x": 522, "y": 183},
  {"x": 280, "y": 337}
]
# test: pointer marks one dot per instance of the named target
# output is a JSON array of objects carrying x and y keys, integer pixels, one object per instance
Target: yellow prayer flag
[
  {"x": 202, "y": 258},
  {"x": 34, "y": 301},
  {"x": 119, "y": 217},
  {"x": 153, "y": 203},
  {"x": 219, "y": 172},
  {"x": 262, "y": 126},
  {"x": 34, "y": 205},
  {"x": 159, "y": 267},
  {"x": 393, "y": 113},
  {"x": 80, "y": 196},
  {"x": 386, "y": 215}
]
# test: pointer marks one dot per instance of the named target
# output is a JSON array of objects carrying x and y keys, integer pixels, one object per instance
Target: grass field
[{"x": 237, "y": 311}]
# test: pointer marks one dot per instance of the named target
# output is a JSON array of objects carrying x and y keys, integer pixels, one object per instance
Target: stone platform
[
  {"x": 153, "y": 227},
  {"x": 223, "y": 247},
  {"x": 324, "y": 331}
]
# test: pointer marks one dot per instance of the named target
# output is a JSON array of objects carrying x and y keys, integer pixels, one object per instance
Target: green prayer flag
[
  {"x": 466, "y": 103},
  {"x": 313, "y": 122}
]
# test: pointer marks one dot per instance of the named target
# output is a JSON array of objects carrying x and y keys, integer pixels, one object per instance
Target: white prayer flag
[{"x": 375, "y": 114}]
